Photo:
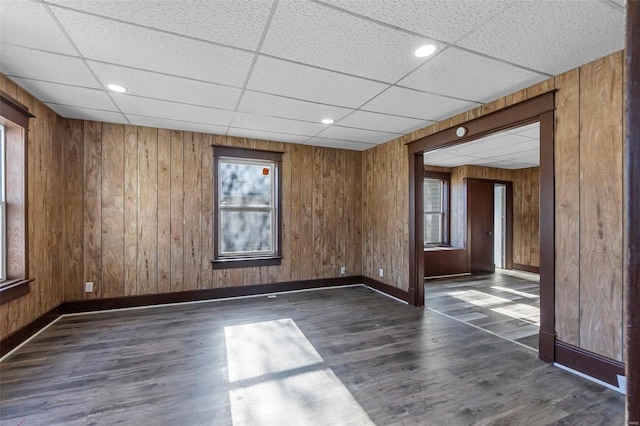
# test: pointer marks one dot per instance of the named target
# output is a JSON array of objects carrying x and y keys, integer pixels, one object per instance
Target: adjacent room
[
  {"x": 481, "y": 233},
  {"x": 317, "y": 212}
]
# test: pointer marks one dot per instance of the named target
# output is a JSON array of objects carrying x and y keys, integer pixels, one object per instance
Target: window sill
[
  {"x": 246, "y": 263},
  {"x": 13, "y": 289}
]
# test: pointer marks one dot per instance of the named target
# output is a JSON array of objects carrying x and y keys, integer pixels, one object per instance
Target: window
[
  {"x": 14, "y": 262},
  {"x": 3, "y": 211},
  {"x": 247, "y": 197},
  {"x": 436, "y": 208}
]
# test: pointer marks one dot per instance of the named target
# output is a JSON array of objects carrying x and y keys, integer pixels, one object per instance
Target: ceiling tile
[
  {"x": 524, "y": 33},
  {"x": 88, "y": 114},
  {"x": 411, "y": 103},
  {"x": 276, "y": 125},
  {"x": 465, "y": 75},
  {"x": 267, "y": 136},
  {"x": 312, "y": 84},
  {"x": 335, "y": 143},
  {"x": 530, "y": 131},
  {"x": 454, "y": 161},
  {"x": 236, "y": 23},
  {"x": 67, "y": 95},
  {"x": 150, "y": 84},
  {"x": 27, "y": 63},
  {"x": 328, "y": 38},
  {"x": 444, "y": 20},
  {"x": 521, "y": 156},
  {"x": 29, "y": 24},
  {"x": 383, "y": 122},
  {"x": 175, "y": 124},
  {"x": 266, "y": 104},
  {"x": 173, "y": 111},
  {"x": 357, "y": 135},
  {"x": 504, "y": 141},
  {"x": 128, "y": 45}
]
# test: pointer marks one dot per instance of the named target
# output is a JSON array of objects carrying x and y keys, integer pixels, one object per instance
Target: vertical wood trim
[
  {"x": 600, "y": 206},
  {"x": 632, "y": 211},
  {"x": 206, "y": 209},
  {"x": 112, "y": 223},
  {"x": 164, "y": 211},
  {"x": 283, "y": 273},
  {"x": 177, "y": 211},
  {"x": 546, "y": 345},
  {"x": 131, "y": 210},
  {"x": 147, "y": 210},
  {"x": 318, "y": 220},
  {"x": 567, "y": 207},
  {"x": 355, "y": 227},
  {"x": 416, "y": 242},
  {"x": 93, "y": 206},
  {"x": 73, "y": 158},
  {"x": 340, "y": 215},
  {"x": 295, "y": 196},
  {"x": 328, "y": 229},
  {"x": 192, "y": 191}
]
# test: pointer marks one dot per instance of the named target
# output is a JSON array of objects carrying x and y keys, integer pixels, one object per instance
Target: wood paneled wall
[
  {"x": 526, "y": 208},
  {"x": 589, "y": 130},
  {"x": 588, "y": 150},
  {"x": 45, "y": 215},
  {"x": 141, "y": 205},
  {"x": 385, "y": 226}
]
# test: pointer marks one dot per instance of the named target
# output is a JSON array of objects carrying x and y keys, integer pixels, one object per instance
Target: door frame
[{"x": 539, "y": 109}]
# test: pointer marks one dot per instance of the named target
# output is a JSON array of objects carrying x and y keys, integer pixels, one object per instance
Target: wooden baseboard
[
  {"x": 11, "y": 341},
  {"x": 526, "y": 268},
  {"x": 594, "y": 365},
  {"x": 91, "y": 305},
  {"x": 386, "y": 288},
  {"x": 15, "y": 339}
]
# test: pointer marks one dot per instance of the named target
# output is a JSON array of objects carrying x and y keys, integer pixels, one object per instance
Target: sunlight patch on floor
[
  {"x": 520, "y": 311},
  {"x": 479, "y": 298},
  {"x": 277, "y": 377},
  {"x": 519, "y": 293}
]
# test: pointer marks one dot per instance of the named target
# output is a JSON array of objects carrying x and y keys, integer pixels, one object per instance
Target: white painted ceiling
[
  {"x": 273, "y": 69},
  {"x": 517, "y": 148}
]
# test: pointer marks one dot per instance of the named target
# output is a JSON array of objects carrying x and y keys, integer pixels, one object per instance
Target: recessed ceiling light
[
  {"x": 425, "y": 50},
  {"x": 116, "y": 88},
  {"x": 327, "y": 121}
]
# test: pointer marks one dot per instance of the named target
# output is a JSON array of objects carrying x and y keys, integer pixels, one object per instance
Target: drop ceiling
[
  {"x": 517, "y": 148},
  {"x": 274, "y": 69}
]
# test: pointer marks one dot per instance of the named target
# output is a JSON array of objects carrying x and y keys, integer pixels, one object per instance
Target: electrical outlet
[
  {"x": 88, "y": 287},
  {"x": 381, "y": 273},
  {"x": 343, "y": 270}
]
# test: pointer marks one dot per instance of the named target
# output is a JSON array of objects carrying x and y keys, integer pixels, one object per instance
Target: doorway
[{"x": 539, "y": 109}]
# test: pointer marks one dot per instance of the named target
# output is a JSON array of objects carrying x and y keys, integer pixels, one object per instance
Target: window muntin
[
  {"x": 434, "y": 211},
  {"x": 247, "y": 207}
]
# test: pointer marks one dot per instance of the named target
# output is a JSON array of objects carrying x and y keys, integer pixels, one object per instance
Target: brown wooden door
[{"x": 480, "y": 225}]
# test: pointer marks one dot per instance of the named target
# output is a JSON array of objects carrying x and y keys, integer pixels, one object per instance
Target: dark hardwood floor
[
  {"x": 344, "y": 356},
  {"x": 506, "y": 303}
]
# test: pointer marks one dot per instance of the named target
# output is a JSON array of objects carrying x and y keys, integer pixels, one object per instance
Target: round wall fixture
[{"x": 461, "y": 131}]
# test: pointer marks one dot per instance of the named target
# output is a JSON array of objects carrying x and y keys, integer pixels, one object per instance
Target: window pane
[
  {"x": 245, "y": 231},
  {"x": 432, "y": 228},
  {"x": 244, "y": 184},
  {"x": 432, "y": 195}
]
